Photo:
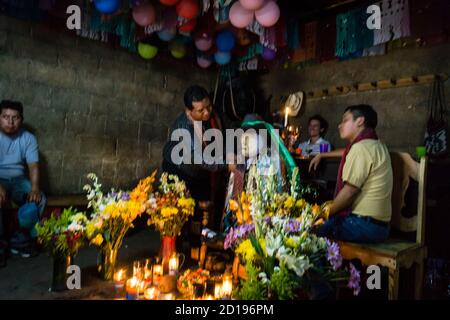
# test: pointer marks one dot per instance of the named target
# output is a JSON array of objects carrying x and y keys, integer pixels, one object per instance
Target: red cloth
[{"x": 365, "y": 134}]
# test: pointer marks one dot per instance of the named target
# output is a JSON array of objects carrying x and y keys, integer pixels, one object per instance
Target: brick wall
[
  {"x": 402, "y": 112},
  {"x": 92, "y": 108}
]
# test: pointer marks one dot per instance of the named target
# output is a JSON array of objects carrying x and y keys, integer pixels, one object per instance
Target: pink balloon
[
  {"x": 204, "y": 63},
  {"x": 252, "y": 4},
  {"x": 239, "y": 16},
  {"x": 144, "y": 14},
  {"x": 268, "y": 15},
  {"x": 204, "y": 43}
]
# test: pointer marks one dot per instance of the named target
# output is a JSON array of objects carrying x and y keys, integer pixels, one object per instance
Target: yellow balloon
[{"x": 147, "y": 51}]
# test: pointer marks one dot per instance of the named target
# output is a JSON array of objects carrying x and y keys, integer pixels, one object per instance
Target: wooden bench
[{"x": 397, "y": 253}]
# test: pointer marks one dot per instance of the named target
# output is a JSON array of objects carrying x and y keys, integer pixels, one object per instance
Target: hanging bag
[{"x": 436, "y": 135}]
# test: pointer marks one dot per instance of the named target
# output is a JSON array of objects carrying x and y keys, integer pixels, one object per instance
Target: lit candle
[
  {"x": 286, "y": 116},
  {"x": 151, "y": 293},
  {"x": 227, "y": 287},
  {"x": 166, "y": 296},
  {"x": 217, "y": 290},
  {"x": 157, "y": 273},
  {"x": 173, "y": 264},
  {"x": 132, "y": 289},
  {"x": 209, "y": 297},
  {"x": 119, "y": 279}
]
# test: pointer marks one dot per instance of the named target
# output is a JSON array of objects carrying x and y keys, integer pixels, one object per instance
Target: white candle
[
  {"x": 173, "y": 264},
  {"x": 286, "y": 117},
  {"x": 227, "y": 287}
]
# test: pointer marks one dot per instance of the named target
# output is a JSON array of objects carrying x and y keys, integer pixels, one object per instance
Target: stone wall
[
  {"x": 402, "y": 112},
  {"x": 92, "y": 108}
]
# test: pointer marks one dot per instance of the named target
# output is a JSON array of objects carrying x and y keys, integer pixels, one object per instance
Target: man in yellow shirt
[{"x": 361, "y": 210}]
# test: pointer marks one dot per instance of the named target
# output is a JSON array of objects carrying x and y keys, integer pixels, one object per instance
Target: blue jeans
[
  {"x": 353, "y": 229},
  {"x": 17, "y": 190}
]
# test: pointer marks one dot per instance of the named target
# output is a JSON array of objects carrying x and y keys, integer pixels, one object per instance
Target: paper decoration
[{"x": 395, "y": 22}]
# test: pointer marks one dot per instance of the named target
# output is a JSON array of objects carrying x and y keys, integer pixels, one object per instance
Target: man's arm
[
  {"x": 344, "y": 198},
  {"x": 35, "y": 194},
  {"x": 332, "y": 154}
]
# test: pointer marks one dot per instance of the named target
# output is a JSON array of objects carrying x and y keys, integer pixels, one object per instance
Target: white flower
[{"x": 298, "y": 264}]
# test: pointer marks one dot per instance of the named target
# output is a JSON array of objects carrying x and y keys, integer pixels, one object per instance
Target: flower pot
[
  {"x": 59, "y": 278},
  {"x": 107, "y": 263}
]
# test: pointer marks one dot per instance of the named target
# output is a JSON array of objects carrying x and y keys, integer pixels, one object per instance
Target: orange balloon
[
  {"x": 188, "y": 9},
  {"x": 188, "y": 26}
]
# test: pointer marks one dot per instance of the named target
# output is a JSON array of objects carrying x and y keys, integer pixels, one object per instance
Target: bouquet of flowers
[
  {"x": 282, "y": 256},
  {"x": 113, "y": 215},
  {"x": 63, "y": 235},
  {"x": 171, "y": 206}
]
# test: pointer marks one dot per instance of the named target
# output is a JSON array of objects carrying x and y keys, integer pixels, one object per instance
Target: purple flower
[
  {"x": 238, "y": 233},
  {"x": 354, "y": 281},
  {"x": 112, "y": 194},
  {"x": 267, "y": 220},
  {"x": 333, "y": 255},
  {"x": 125, "y": 196},
  {"x": 292, "y": 226}
]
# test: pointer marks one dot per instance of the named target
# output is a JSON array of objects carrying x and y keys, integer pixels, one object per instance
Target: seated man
[
  {"x": 361, "y": 210},
  {"x": 18, "y": 149},
  {"x": 317, "y": 127}
]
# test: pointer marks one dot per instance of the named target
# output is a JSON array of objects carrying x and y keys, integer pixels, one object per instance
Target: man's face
[
  {"x": 201, "y": 110},
  {"x": 10, "y": 121},
  {"x": 314, "y": 128},
  {"x": 349, "y": 128}
]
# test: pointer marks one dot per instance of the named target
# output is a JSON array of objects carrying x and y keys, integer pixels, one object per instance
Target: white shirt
[{"x": 309, "y": 148}]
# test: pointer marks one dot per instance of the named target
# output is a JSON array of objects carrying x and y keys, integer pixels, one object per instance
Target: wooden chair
[{"x": 396, "y": 253}]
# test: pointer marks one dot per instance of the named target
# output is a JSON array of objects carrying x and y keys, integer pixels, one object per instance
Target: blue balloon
[
  {"x": 222, "y": 58},
  {"x": 107, "y": 6},
  {"x": 166, "y": 35},
  {"x": 225, "y": 41}
]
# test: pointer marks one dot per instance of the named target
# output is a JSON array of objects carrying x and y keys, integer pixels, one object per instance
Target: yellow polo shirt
[{"x": 368, "y": 167}]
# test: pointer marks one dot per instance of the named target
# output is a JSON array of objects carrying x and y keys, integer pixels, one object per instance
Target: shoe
[{"x": 28, "y": 251}]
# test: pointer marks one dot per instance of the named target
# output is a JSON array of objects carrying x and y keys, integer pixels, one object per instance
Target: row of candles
[{"x": 147, "y": 276}]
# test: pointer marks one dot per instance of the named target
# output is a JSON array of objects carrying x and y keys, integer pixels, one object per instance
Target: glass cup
[{"x": 324, "y": 147}]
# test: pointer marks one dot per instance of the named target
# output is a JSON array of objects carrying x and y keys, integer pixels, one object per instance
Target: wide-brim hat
[{"x": 294, "y": 102}]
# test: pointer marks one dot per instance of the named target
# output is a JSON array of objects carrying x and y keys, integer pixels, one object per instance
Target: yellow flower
[
  {"x": 169, "y": 211},
  {"x": 315, "y": 209},
  {"x": 186, "y": 202},
  {"x": 300, "y": 203},
  {"x": 290, "y": 242},
  {"x": 289, "y": 203},
  {"x": 234, "y": 206},
  {"x": 97, "y": 240},
  {"x": 246, "y": 250},
  {"x": 262, "y": 243}
]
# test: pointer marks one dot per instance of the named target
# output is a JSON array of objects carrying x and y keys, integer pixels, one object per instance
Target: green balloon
[
  {"x": 147, "y": 51},
  {"x": 177, "y": 49}
]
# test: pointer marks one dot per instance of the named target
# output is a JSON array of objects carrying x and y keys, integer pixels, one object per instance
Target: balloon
[
  {"x": 177, "y": 49},
  {"x": 252, "y": 4},
  {"x": 222, "y": 58},
  {"x": 203, "y": 62},
  {"x": 147, "y": 51},
  {"x": 225, "y": 41},
  {"x": 167, "y": 34},
  {"x": 203, "y": 43},
  {"x": 144, "y": 14},
  {"x": 107, "y": 6},
  {"x": 269, "y": 54},
  {"x": 188, "y": 9},
  {"x": 239, "y": 16},
  {"x": 169, "y": 2},
  {"x": 268, "y": 15},
  {"x": 188, "y": 26}
]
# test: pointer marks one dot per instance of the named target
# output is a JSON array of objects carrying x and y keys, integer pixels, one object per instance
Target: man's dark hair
[
  {"x": 366, "y": 111},
  {"x": 194, "y": 94},
  {"x": 322, "y": 121},
  {"x": 14, "y": 105}
]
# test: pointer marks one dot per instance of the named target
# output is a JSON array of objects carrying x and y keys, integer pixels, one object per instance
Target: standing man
[
  {"x": 361, "y": 209},
  {"x": 19, "y": 153}
]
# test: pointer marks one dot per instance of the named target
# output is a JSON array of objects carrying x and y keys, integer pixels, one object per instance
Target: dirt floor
[{"x": 31, "y": 278}]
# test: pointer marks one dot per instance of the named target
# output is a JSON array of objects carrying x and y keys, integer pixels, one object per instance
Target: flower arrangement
[
  {"x": 63, "y": 235},
  {"x": 113, "y": 215},
  {"x": 282, "y": 255},
  {"x": 171, "y": 206},
  {"x": 190, "y": 277}
]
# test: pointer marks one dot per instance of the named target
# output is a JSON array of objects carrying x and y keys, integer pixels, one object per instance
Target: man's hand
[
  {"x": 34, "y": 196},
  {"x": 2, "y": 196},
  {"x": 315, "y": 162}
]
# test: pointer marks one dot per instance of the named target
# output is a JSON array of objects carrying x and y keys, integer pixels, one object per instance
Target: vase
[
  {"x": 59, "y": 278},
  {"x": 168, "y": 247},
  {"x": 107, "y": 263}
]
